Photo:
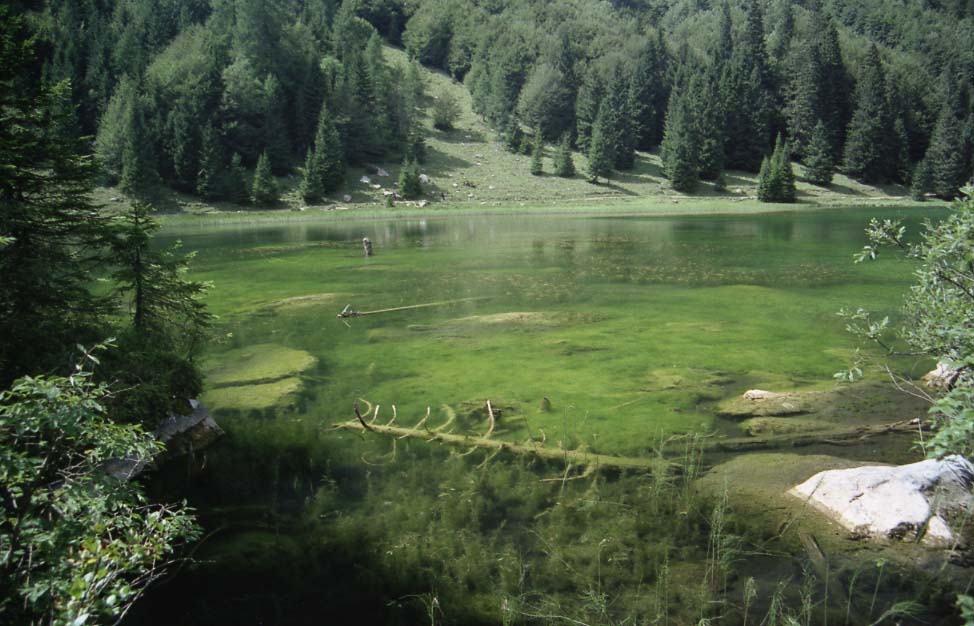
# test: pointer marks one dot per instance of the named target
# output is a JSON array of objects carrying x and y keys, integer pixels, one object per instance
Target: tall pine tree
[
  {"x": 600, "y": 157},
  {"x": 264, "y": 190},
  {"x": 679, "y": 150},
  {"x": 818, "y": 156},
  {"x": 870, "y": 150}
]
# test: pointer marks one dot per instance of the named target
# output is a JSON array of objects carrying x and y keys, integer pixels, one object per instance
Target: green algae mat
[{"x": 604, "y": 334}]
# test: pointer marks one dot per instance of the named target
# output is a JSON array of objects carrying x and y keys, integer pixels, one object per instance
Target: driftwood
[
  {"x": 577, "y": 458},
  {"x": 349, "y": 312}
]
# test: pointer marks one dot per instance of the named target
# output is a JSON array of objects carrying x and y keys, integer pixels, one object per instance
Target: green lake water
[{"x": 633, "y": 328}]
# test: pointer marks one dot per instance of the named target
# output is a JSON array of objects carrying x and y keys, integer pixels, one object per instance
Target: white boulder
[{"x": 907, "y": 502}]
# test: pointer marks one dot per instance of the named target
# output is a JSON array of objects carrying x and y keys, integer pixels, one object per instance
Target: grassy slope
[{"x": 470, "y": 170}]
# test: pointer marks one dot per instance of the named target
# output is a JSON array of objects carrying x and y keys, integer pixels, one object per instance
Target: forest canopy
[{"x": 191, "y": 94}]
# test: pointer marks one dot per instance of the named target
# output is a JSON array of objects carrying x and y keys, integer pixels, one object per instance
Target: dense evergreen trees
[
  {"x": 776, "y": 180},
  {"x": 159, "y": 76},
  {"x": 870, "y": 149},
  {"x": 564, "y": 165}
]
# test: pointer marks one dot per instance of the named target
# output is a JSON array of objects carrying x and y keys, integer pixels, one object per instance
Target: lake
[{"x": 609, "y": 335}]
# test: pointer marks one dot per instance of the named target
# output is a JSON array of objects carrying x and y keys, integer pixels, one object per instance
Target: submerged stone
[{"x": 912, "y": 502}]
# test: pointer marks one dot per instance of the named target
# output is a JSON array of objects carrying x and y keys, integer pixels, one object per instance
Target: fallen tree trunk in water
[
  {"x": 579, "y": 458},
  {"x": 349, "y": 312},
  {"x": 592, "y": 461}
]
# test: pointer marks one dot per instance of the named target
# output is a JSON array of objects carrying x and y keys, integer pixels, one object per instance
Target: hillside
[
  {"x": 674, "y": 99},
  {"x": 469, "y": 166}
]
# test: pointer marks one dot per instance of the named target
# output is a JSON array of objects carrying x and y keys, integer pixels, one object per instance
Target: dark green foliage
[
  {"x": 600, "y": 155},
  {"x": 587, "y": 106},
  {"x": 922, "y": 182},
  {"x": 871, "y": 151},
  {"x": 277, "y": 144},
  {"x": 416, "y": 145},
  {"x": 537, "y": 154},
  {"x": 945, "y": 156},
  {"x": 545, "y": 101},
  {"x": 513, "y": 136},
  {"x": 139, "y": 173},
  {"x": 327, "y": 161},
  {"x": 264, "y": 189},
  {"x": 55, "y": 234},
  {"x": 747, "y": 94},
  {"x": 776, "y": 180},
  {"x": 648, "y": 94},
  {"x": 564, "y": 166},
  {"x": 311, "y": 188},
  {"x": 618, "y": 121},
  {"x": 680, "y": 148},
  {"x": 818, "y": 156},
  {"x": 410, "y": 186},
  {"x": 709, "y": 122},
  {"x": 168, "y": 323},
  {"x": 211, "y": 175},
  {"x": 113, "y": 129},
  {"x": 445, "y": 111},
  {"x": 806, "y": 105},
  {"x": 85, "y": 549},
  {"x": 235, "y": 181}
]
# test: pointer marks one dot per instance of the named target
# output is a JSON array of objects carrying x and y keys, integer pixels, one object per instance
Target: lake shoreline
[{"x": 643, "y": 207}]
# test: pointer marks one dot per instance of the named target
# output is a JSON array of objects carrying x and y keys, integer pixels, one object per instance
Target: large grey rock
[
  {"x": 182, "y": 434},
  {"x": 906, "y": 502}
]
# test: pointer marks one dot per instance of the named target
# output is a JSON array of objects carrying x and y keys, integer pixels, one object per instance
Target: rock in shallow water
[{"x": 906, "y": 502}]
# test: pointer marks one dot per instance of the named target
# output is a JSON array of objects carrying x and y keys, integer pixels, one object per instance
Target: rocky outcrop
[
  {"x": 181, "y": 434},
  {"x": 915, "y": 502}
]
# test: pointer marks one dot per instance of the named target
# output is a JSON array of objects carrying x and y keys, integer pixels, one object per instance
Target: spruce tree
[
  {"x": 776, "y": 180},
  {"x": 804, "y": 107},
  {"x": 945, "y": 154},
  {"x": 618, "y": 123},
  {"x": 679, "y": 150},
  {"x": 139, "y": 173},
  {"x": 537, "y": 154},
  {"x": 210, "y": 177},
  {"x": 410, "y": 185},
  {"x": 513, "y": 135},
  {"x": 275, "y": 133},
  {"x": 708, "y": 125},
  {"x": 329, "y": 156},
  {"x": 818, "y": 156},
  {"x": 765, "y": 181},
  {"x": 236, "y": 181},
  {"x": 835, "y": 96},
  {"x": 311, "y": 188},
  {"x": 747, "y": 93},
  {"x": 587, "y": 105},
  {"x": 600, "y": 157},
  {"x": 870, "y": 153},
  {"x": 646, "y": 85},
  {"x": 564, "y": 166},
  {"x": 264, "y": 189},
  {"x": 786, "y": 175},
  {"x": 922, "y": 182}
]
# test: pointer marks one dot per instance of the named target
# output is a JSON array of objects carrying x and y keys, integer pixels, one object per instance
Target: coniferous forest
[
  {"x": 191, "y": 94},
  {"x": 644, "y": 337}
]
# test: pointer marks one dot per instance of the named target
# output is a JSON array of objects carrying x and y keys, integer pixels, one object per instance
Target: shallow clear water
[
  {"x": 632, "y": 328},
  {"x": 614, "y": 320}
]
